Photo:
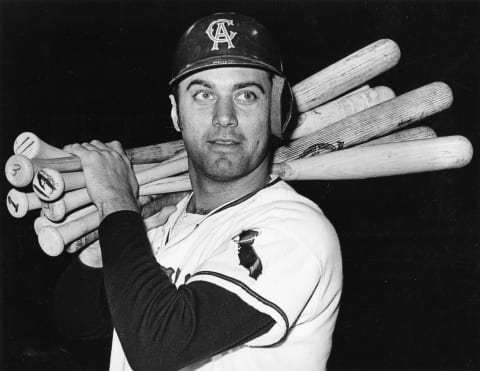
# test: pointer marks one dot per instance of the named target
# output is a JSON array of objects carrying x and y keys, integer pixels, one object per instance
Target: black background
[{"x": 75, "y": 71}]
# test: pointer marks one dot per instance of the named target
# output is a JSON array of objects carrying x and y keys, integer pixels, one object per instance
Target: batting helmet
[{"x": 231, "y": 39}]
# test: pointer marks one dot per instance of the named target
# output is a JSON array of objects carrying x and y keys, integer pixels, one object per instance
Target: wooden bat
[
  {"x": 20, "y": 170},
  {"x": 381, "y": 160},
  {"x": 167, "y": 185},
  {"x": 370, "y": 123},
  {"x": 326, "y": 114},
  {"x": 346, "y": 74},
  {"x": 70, "y": 201},
  {"x": 53, "y": 240},
  {"x": 73, "y": 200},
  {"x": 149, "y": 211},
  {"x": 50, "y": 184},
  {"x": 92, "y": 255},
  {"x": 420, "y": 132},
  {"x": 20, "y": 203},
  {"x": 354, "y": 163},
  {"x": 31, "y": 146},
  {"x": 43, "y": 221}
]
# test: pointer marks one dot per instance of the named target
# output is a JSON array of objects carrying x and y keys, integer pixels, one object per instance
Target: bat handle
[{"x": 19, "y": 203}]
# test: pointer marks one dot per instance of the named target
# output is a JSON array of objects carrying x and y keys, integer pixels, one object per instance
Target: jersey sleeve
[{"x": 275, "y": 264}]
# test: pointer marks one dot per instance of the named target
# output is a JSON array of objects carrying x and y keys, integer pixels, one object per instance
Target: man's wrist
[{"x": 109, "y": 207}]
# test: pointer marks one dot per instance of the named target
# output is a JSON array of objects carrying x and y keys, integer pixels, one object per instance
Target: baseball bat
[
  {"x": 139, "y": 155},
  {"x": 370, "y": 123},
  {"x": 326, "y": 114},
  {"x": 50, "y": 184},
  {"x": 53, "y": 240},
  {"x": 19, "y": 171},
  {"x": 420, "y": 132},
  {"x": 354, "y": 163},
  {"x": 70, "y": 201},
  {"x": 20, "y": 203},
  {"x": 347, "y": 73},
  {"x": 73, "y": 200},
  {"x": 357, "y": 90},
  {"x": 149, "y": 211},
  {"x": 43, "y": 221},
  {"x": 167, "y": 185},
  {"x": 31, "y": 146},
  {"x": 381, "y": 160},
  {"x": 91, "y": 256}
]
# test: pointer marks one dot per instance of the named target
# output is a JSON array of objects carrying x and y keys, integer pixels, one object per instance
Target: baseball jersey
[{"x": 276, "y": 251}]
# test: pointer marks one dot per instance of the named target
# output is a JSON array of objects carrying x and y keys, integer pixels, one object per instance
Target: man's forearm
[{"x": 160, "y": 326}]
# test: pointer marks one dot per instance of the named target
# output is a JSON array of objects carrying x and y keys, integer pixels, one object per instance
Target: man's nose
[{"x": 224, "y": 114}]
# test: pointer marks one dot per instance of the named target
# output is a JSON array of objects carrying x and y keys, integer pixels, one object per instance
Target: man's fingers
[
  {"x": 76, "y": 149},
  {"x": 116, "y": 145}
]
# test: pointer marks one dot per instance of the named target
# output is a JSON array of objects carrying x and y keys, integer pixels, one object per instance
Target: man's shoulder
[
  {"x": 293, "y": 217},
  {"x": 281, "y": 197}
]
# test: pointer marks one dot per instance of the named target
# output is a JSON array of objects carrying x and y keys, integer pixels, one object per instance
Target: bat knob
[
  {"x": 17, "y": 203},
  {"x": 51, "y": 241},
  {"x": 48, "y": 184},
  {"x": 26, "y": 144},
  {"x": 54, "y": 211},
  {"x": 19, "y": 171}
]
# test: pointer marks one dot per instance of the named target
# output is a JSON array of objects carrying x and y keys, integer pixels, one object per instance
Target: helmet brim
[{"x": 221, "y": 62}]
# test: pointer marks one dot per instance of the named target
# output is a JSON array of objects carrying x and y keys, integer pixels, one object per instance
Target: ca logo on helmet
[{"x": 218, "y": 33}]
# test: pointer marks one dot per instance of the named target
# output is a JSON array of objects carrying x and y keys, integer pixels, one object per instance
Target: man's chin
[{"x": 225, "y": 170}]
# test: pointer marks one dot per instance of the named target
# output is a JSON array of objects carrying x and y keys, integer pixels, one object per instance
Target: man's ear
[{"x": 174, "y": 114}]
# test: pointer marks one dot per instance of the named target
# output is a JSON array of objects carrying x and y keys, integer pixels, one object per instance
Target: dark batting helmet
[{"x": 231, "y": 39}]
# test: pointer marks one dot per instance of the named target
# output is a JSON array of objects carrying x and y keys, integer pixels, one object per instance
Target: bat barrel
[{"x": 381, "y": 160}]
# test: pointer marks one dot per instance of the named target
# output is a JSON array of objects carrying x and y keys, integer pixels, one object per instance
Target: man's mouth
[{"x": 224, "y": 142}]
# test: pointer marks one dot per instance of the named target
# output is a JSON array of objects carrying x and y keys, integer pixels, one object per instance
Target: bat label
[
  {"x": 45, "y": 184},
  {"x": 26, "y": 144},
  {"x": 15, "y": 169},
  {"x": 321, "y": 148},
  {"x": 14, "y": 205}
]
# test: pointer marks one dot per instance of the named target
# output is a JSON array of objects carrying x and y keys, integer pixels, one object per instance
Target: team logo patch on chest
[
  {"x": 218, "y": 33},
  {"x": 246, "y": 252}
]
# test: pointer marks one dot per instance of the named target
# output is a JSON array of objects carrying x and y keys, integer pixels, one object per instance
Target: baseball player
[{"x": 245, "y": 274}]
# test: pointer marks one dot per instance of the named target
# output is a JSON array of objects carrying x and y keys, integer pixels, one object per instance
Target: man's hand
[{"x": 110, "y": 180}]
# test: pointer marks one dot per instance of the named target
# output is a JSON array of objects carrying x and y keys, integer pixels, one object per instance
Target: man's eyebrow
[
  {"x": 247, "y": 84},
  {"x": 238, "y": 86},
  {"x": 199, "y": 82}
]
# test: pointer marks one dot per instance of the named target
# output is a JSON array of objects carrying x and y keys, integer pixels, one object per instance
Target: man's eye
[
  {"x": 246, "y": 97},
  {"x": 204, "y": 96}
]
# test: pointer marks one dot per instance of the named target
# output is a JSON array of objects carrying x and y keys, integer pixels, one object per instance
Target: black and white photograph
[{"x": 240, "y": 185}]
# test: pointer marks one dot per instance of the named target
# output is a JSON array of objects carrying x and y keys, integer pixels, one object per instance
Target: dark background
[{"x": 75, "y": 71}]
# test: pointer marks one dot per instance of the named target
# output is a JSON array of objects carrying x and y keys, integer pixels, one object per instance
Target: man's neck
[{"x": 210, "y": 194}]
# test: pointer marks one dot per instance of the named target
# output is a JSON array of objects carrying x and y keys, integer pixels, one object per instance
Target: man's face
[{"x": 224, "y": 115}]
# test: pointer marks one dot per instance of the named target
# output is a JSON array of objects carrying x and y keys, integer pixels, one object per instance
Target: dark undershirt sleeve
[{"x": 160, "y": 326}]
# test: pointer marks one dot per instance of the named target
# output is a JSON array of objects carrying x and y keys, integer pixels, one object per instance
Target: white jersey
[{"x": 279, "y": 254}]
